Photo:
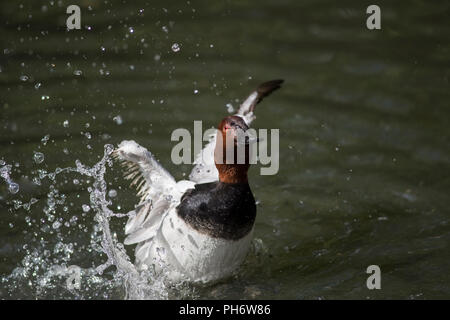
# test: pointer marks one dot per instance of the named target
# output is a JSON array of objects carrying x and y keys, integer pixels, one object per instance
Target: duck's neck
[{"x": 231, "y": 172}]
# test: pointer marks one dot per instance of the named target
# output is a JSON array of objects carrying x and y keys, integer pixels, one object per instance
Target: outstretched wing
[
  {"x": 155, "y": 187},
  {"x": 248, "y": 106},
  {"x": 149, "y": 177},
  {"x": 205, "y": 170}
]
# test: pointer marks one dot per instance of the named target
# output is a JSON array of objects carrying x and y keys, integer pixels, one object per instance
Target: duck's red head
[{"x": 231, "y": 140}]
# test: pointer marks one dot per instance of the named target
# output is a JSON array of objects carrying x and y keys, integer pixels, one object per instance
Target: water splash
[
  {"x": 5, "y": 171},
  {"x": 44, "y": 269},
  {"x": 53, "y": 258},
  {"x": 38, "y": 157}
]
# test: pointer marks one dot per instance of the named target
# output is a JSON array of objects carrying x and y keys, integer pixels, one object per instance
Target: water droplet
[
  {"x": 23, "y": 78},
  {"x": 37, "y": 85},
  {"x": 112, "y": 193},
  {"x": 76, "y": 181},
  {"x": 85, "y": 208},
  {"x": 175, "y": 47},
  {"x": 13, "y": 187},
  {"x": 78, "y": 72},
  {"x": 230, "y": 108},
  {"x": 130, "y": 29},
  {"x": 195, "y": 91},
  {"x": 118, "y": 120},
  {"x": 44, "y": 140},
  {"x": 109, "y": 148},
  {"x": 56, "y": 225},
  {"x": 66, "y": 123},
  {"x": 45, "y": 97},
  {"x": 38, "y": 157}
]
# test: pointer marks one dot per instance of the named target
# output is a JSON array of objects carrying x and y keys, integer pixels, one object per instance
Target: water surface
[{"x": 364, "y": 137}]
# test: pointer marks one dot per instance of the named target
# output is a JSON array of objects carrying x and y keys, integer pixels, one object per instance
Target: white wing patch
[
  {"x": 149, "y": 177},
  {"x": 205, "y": 169},
  {"x": 246, "y": 108},
  {"x": 156, "y": 187}
]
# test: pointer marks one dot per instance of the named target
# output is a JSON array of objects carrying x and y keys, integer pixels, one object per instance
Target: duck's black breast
[{"x": 218, "y": 209}]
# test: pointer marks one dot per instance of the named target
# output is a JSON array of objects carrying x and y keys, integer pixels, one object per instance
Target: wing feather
[
  {"x": 147, "y": 175},
  {"x": 155, "y": 187}
]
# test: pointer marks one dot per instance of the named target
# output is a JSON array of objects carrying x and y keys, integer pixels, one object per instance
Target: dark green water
[{"x": 364, "y": 124}]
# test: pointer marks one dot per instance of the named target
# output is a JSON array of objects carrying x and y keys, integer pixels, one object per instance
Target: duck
[{"x": 199, "y": 229}]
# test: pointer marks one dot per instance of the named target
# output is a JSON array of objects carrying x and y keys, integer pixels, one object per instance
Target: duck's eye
[{"x": 233, "y": 123}]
